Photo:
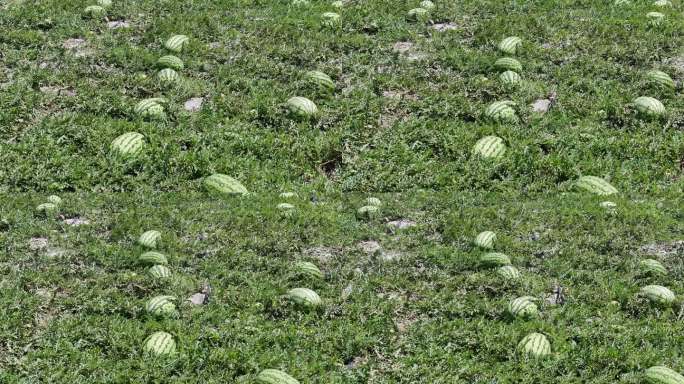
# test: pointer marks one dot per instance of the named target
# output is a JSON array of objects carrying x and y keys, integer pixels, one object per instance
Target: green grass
[{"x": 73, "y": 311}]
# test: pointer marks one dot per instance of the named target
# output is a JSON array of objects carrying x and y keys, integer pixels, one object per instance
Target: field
[{"x": 405, "y": 294}]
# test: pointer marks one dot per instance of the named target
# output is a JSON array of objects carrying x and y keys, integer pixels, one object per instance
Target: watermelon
[
  {"x": 660, "y": 78},
  {"x": 367, "y": 211},
  {"x": 104, "y": 3},
  {"x": 662, "y": 3},
  {"x": 308, "y": 269},
  {"x": 508, "y": 64},
  {"x": 152, "y": 258},
  {"x": 161, "y": 306},
  {"x": 490, "y": 147},
  {"x": 47, "y": 209},
  {"x": 160, "y": 271},
  {"x": 509, "y": 78},
  {"x": 417, "y": 14},
  {"x": 609, "y": 205},
  {"x": 485, "y": 239},
  {"x": 534, "y": 345},
  {"x": 160, "y": 343},
  {"x": 299, "y": 3},
  {"x": 330, "y": 19},
  {"x": 649, "y": 106},
  {"x": 508, "y": 272},
  {"x": 274, "y": 376},
  {"x": 652, "y": 267},
  {"x": 373, "y": 201},
  {"x": 168, "y": 76},
  {"x": 321, "y": 80},
  {"x": 596, "y": 185},
  {"x": 288, "y": 195},
  {"x": 510, "y": 45},
  {"x": 302, "y": 108},
  {"x": 655, "y": 18},
  {"x": 176, "y": 43},
  {"x": 660, "y": 374},
  {"x": 170, "y": 61},
  {"x": 337, "y": 4},
  {"x": 128, "y": 145},
  {"x": 285, "y": 206},
  {"x": 427, "y": 5},
  {"x": 502, "y": 112},
  {"x": 151, "y": 108},
  {"x": 149, "y": 239},
  {"x": 304, "y": 296},
  {"x": 94, "y": 11},
  {"x": 224, "y": 185},
  {"x": 523, "y": 307},
  {"x": 495, "y": 259},
  {"x": 54, "y": 199},
  {"x": 657, "y": 294}
]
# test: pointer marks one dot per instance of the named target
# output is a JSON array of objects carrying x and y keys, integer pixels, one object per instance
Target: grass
[{"x": 401, "y": 127}]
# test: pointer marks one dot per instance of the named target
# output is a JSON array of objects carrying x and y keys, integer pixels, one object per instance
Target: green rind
[
  {"x": 275, "y": 376},
  {"x": 224, "y": 185}
]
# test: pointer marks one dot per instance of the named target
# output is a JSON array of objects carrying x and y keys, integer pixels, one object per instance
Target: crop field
[{"x": 355, "y": 191}]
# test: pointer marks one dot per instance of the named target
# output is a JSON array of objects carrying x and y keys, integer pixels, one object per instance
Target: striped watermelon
[
  {"x": 655, "y": 18},
  {"x": 288, "y": 195},
  {"x": 490, "y": 147},
  {"x": 427, "y": 4},
  {"x": 104, "y": 3},
  {"x": 170, "y": 61},
  {"x": 609, "y": 205},
  {"x": 274, "y": 376},
  {"x": 660, "y": 374},
  {"x": 367, "y": 211},
  {"x": 508, "y": 272},
  {"x": 508, "y": 64},
  {"x": 129, "y": 144},
  {"x": 652, "y": 267},
  {"x": 308, "y": 269},
  {"x": 94, "y": 11},
  {"x": 658, "y": 294},
  {"x": 495, "y": 259},
  {"x": 649, "y": 106},
  {"x": 510, "y": 45},
  {"x": 502, "y": 112},
  {"x": 596, "y": 185},
  {"x": 662, "y": 3},
  {"x": 320, "y": 79},
  {"x": 176, "y": 43},
  {"x": 523, "y": 307},
  {"x": 305, "y": 297},
  {"x": 54, "y": 199},
  {"x": 160, "y": 343},
  {"x": 47, "y": 209},
  {"x": 485, "y": 239},
  {"x": 301, "y": 107},
  {"x": 152, "y": 108},
  {"x": 660, "y": 78},
  {"x": 152, "y": 258},
  {"x": 161, "y": 306},
  {"x": 168, "y": 76},
  {"x": 224, "y": 185},
  {"x": 417, "y": 14},
  {"x": 285, "y": 206},
  {"x": 149, "y": 239},
  {"x": 373, "y": 201},
  {"x": 160, "y": 271},
  {"x": 509, "y": 78},
  {"x": 534, "y": 345},
  {"x": 330, "y": 19}
]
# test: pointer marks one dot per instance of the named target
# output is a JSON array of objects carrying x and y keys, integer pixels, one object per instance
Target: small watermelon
[
  {"x": 161, "y": 306},
  {"x": 176, "y": 43},
  {"x": 224, "y": 185},
  {"x": 655, "y": 18},
  {"x": 94, "y": 11},
  {"x": 662, "y": 375},
  {"x": 534, "y": 345},
  {"x": 47, "y": 209},
  {"x": 495, "y": 259},
  {"x": 596, "y": 185},
  {"x": 305, "y": 297},
  {"x": 427, "y": 5},
  {"x": 302, "y": 108},
  {"x": 330, "y": 19},
  {"x": 510, "y": 45},
  {"x": 54, "y": 199},
  {"x": 502, "y": 112},
  {"x": 657, "y": 294},
  {"x": 160, "y": 343},
  {"x": 104, "y": 3},
  {"x": 160, "y": 271},
  {"x": 170, "y": 61},
  {"x": 288, "y": 195},
  {"x": 150, "y": 239},
  {"x": 661, "y": 79},
  {"x": 508, "y": 64},
  {"x": 337, "y": 4},
  {"x": 128, "y": 145},
  {"x": 151, "y": 108},
  {"x": 374, "y": 201},
  {"x": 609, "y": 205},
  {"x": 308, "y": 269},
  {"x": 285, "y": 207},
  {"x": 508, "y": 272},
  {"x": 300, "y": 3},
  {"x": 523, "y": 307},
  {"x": 151, "y": 258},
  {"x": 367, "y": 211},
  {"x": 509, "y": 78},
  {"x": 485, "y": 239},
  {"x": 649, "y": 106},
  {"x": 417, "y": 14},
  {"x": 168, "y": 76},
  {"x": 662, "y": 3},
  {"x": 274, "y": 376},
  {"x": 321, "y": 80},
  {"x": 490, "y": 147},
  {"x": 652, "y": 267}
]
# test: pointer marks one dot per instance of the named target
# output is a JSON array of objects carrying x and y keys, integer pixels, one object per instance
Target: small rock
[
  {"x": 442, "y": 27},
  {"x": 198, "y": 299},
  {"x": 118, "y": 24},
  {"x": 37, "y": 243},
  {"x": 664, "y": 249},
  {"x": 370, "y": 246},
  {"x": 401, "y": 224},
  {"x": 347, "y": 291},
  {"x": 194, "y": 104},
  {"x": 541, "y": 105}
]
